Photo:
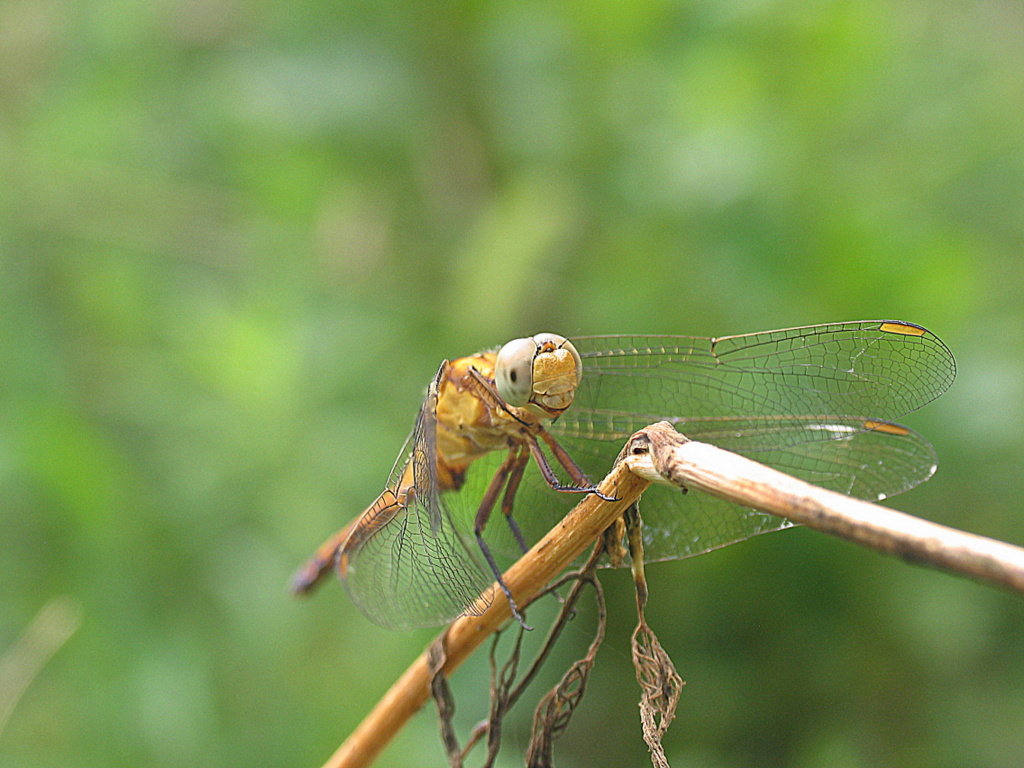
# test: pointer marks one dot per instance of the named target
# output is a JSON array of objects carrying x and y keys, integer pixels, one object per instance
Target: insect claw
[
  {"x": 586, "y": 489},
  {"x": 512, "y": 605},
  {"x": 519, "y": 617}
]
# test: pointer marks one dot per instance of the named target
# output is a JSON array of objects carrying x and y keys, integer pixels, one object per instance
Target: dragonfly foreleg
[
  {"x": 583, "y": 484},
  {"x": 483, "y": 388},
  {"x": 578, "y": 475}
]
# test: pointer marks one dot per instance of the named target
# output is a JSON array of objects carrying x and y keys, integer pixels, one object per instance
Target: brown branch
[
  {"x": 660, "y": 454},
  {"x": 676, "y": 460},
  {"x": 549, "y": 557}
]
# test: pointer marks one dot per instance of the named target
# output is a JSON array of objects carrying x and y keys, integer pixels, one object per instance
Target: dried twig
[
  {"x": 556, "y": 708},
  {"x": 669, "y": 457},
  {"x": 660, "y": 684},
  {"x": 439, "y": 689},
  {"x": 660, "y": 454},
  {"x": 504, "y": 696},
  {"x": 549, "y": 557}
]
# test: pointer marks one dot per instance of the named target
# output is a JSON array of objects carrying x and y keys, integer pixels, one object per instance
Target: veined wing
[
  {"x": 812, "y": 401},
  {"x": 880, "y": 369},
  {"x": 863, "y": 458},
  {"x": 406, "y": 564},
  {"x": 867, "y": 459}
]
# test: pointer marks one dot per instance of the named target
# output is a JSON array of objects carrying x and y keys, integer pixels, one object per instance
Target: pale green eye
[{"x": 513, "y": 371}]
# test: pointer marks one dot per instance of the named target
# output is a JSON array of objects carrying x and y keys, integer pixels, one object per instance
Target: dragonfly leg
[
  {"x": 515, "y": 477},
  {"x": 483, "y": 513},
  {"x": 483, "y": 388},
  {"x": 551, "y": 478},
  {"x": 501, "y": 582},
  {"x": 508, "y": 500},
  {"x": 578, "y": 475}
]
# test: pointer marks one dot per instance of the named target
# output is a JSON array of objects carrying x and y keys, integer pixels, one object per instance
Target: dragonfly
[{"x": 523, "y": 428}]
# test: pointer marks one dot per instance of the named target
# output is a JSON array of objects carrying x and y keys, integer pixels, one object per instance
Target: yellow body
[
  {"x": 471, "y": 421},
  {"x": 468, "y": 427}
]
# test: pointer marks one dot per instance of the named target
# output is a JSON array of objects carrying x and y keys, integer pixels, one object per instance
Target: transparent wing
[
  {"x": 879, "y": 369},
  {"x": 813, "y": 401},
  {"x": 869, "y": 460},
  {"x": 408, "y": 564}
]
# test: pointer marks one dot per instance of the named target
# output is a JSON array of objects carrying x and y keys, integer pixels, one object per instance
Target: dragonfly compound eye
[{"x": 513, "y": 371}]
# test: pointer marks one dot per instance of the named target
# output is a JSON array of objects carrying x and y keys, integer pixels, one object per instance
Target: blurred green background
[{"x": 237, "y": 239}]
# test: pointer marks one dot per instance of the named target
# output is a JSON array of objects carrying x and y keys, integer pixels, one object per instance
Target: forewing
[
  {"x": 871, "y": 369},
  {"x": 410, "y": 566}
]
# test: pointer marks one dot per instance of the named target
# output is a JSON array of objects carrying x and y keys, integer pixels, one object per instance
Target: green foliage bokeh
[{"x": 237, "y": 238}]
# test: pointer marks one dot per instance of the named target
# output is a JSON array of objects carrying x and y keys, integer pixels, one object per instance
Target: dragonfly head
[{"x": 539, "y": 373}]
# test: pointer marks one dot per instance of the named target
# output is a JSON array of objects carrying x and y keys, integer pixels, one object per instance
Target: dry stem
[
  {"x": 549, "y": 557},
  {"x": 676, "y": 460},
  {"x": 660, "y": 454}
]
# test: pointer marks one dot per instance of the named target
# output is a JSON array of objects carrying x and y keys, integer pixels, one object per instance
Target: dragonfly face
[{"x": 539, "y": 373}]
